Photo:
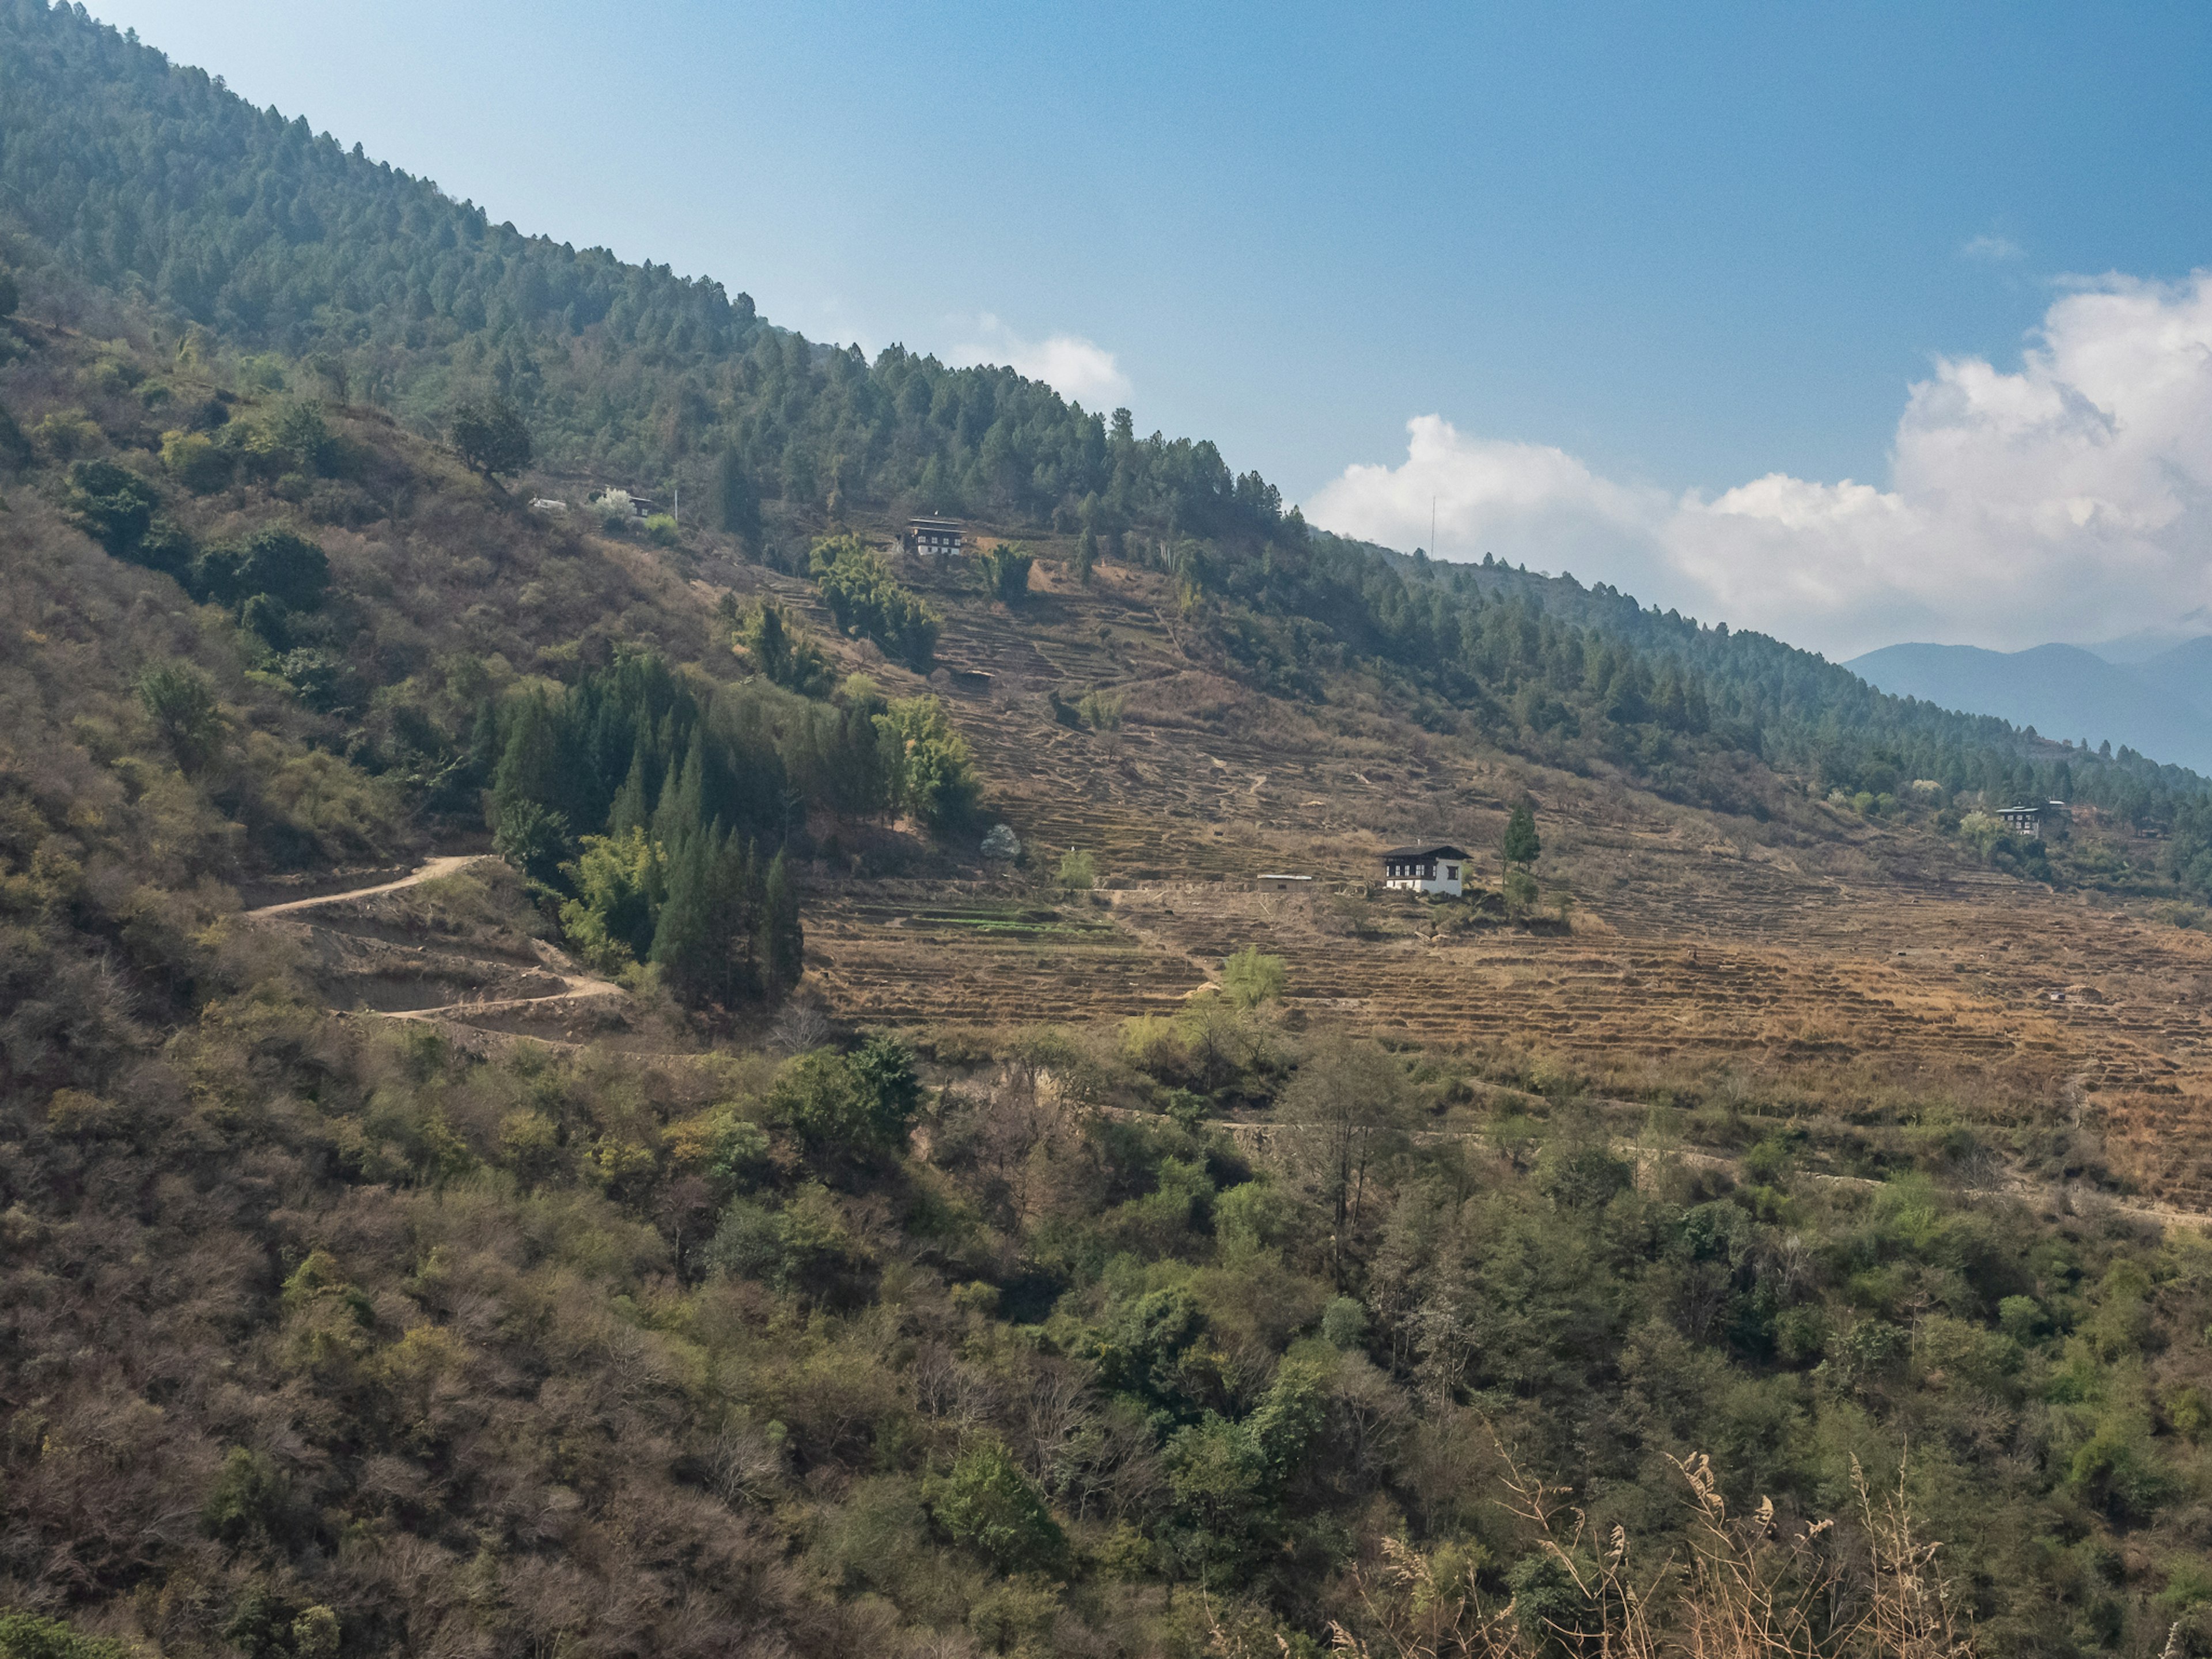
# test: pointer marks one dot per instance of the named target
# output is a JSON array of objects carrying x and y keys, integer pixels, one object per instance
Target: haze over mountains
[{"x": 2161, "y": 706}]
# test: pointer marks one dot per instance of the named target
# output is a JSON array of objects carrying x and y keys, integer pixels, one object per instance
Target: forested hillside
[
  {"x": 152, "y": 180},
  {"x": 341, "y": 1316}
]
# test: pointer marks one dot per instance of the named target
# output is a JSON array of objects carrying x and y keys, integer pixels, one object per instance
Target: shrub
[
  {"x": 1078, "y": 871},
  {"x": 1521, "y": 893},
  {"x": 1102, "y": 710},
  {"x": 196, "y": 461},
  {"x": 26, "y": 1636},
  {"x": 660, "y": 530},
  {"x": 1251, "y": 978}
]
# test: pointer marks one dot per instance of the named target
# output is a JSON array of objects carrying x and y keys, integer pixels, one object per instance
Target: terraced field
[{"x": 1820, "y": 948}]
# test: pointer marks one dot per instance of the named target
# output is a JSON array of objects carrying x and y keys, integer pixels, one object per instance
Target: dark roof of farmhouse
[{"x": 1428, "y": 849}]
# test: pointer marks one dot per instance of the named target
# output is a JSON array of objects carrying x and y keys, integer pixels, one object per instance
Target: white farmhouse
[{"x": 1430, "y": 867}]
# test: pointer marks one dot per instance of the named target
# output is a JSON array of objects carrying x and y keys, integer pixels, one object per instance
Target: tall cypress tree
[
  {"x": 782, "y": 940},
  {"x": 630, "y": 810}
]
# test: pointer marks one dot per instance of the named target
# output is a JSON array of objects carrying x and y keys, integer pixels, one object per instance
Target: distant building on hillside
[
  {"x": 1283, "y": 884},
  {"x": 937, "y": 538},
  {"x": 620, "y": 500},
  {"x": 1428, "y": 867},
  {"x": 2053, "y": 817}
]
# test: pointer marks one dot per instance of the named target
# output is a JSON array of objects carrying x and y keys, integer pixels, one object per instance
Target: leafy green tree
[
  {"x": 1078, "y": 871},
  {"x": 621, "y": 885},
  {"x": 274, "y": 561},
  {"x": 300, "y": 439},
  {"x": 1006, "y": 571},
  {"x": 1521, "y": 845},
  {"x": 251, "y": 1500},
  {"x": 1250, "y": 978},
  {"x": 929, "y": 765},
  {"x": 182, "y": 705},
  {"x": 490, "y": 436},
  {"x": 987, "y": 1504},
  {"x": 1102, "y": 709},
  {"x": 865, "y": 597},
  {"x": 1087, "y": 555},
  {"x": 783, "y": 650},
  {"x": 847, "y": 1109},
  {"x": 531, "y": 839},
  {"x": 891, "y": 1089},
  {"x": 16, "y": 450},
  {"x": 112, "y": 504}
]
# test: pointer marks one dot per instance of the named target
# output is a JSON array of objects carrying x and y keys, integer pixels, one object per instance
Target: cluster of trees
[
  {"x": 653, "y": 809},
  {"x": 867, "y": 600},
  {"x": 643, "y": 810}
]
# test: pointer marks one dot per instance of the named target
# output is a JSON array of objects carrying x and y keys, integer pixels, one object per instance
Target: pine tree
[
  {"x": 684, "y": 944},
  {"x": 783, "y": 941},
  {"x": 630, "y": 810},
  {"x": 1521, "y": 845},
  {"x": 682, "y": 810}
]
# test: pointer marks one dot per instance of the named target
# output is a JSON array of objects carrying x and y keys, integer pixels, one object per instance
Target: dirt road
[{"x": 430, "y": 871}]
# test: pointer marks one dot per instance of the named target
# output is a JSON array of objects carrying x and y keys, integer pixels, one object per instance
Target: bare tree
[{"x": 1346, "y": 1110}]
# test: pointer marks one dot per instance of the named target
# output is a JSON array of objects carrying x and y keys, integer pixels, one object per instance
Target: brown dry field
[{"x": 1814, "y": 957}]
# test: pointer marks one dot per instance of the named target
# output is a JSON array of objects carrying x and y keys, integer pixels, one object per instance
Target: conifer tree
[{"x": 783, "y": 942}]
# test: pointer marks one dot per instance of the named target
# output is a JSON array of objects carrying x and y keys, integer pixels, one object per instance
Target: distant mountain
[{"x": 2161, "y": 706}]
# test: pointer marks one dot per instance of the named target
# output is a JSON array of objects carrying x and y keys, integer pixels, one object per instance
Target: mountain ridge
[{"x": 2161, "y": 705}]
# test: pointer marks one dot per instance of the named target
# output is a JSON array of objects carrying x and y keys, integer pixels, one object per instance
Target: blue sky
[{"x": 1687, "y": 247}]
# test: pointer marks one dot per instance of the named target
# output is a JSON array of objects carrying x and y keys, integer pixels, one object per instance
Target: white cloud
[
  {"x": 1071, "y": 365},
  {"x": 2069, "y": 500},
  {"x": 1996, "y": 250}
]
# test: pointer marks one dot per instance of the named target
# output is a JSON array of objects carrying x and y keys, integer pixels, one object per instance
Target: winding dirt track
[{"x": 430, "y": 871}]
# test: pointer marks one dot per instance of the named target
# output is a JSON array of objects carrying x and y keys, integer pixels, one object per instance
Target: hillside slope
[{"x": 720, "y": 1210}]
